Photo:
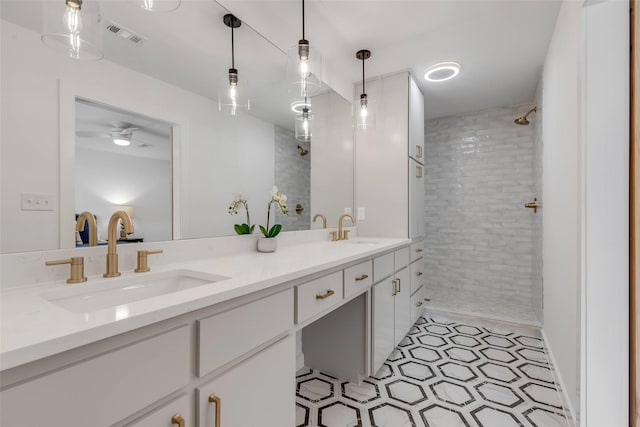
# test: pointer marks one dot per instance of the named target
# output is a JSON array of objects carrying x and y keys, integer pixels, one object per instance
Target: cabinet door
[
  {"x": 416, "y": 199},
  {"x": 383, "y": 322},
  {"x": 402, "y": 303},
  {"x": 416, "y": 122},
  {"x": 257, "y": 392}
]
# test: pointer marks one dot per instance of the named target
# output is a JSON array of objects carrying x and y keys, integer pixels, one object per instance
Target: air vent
[{"x": 120, "y": 31}]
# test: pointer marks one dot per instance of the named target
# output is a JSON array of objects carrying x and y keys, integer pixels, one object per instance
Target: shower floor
[{"x": 455, "y": 300}]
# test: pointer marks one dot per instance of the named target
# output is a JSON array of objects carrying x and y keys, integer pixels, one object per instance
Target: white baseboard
[{"x": 569, "y": 410}]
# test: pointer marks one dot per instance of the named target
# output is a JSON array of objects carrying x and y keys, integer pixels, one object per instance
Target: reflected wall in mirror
[{"x": 172, "y": 77}]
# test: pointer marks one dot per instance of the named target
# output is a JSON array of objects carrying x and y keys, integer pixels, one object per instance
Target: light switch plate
[
  {"x": 360, "y": 214},
  {"x": 36, "y": 202}
]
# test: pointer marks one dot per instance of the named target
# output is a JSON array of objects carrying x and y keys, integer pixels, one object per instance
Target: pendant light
[
  {"x": 304, "y": 67},
  {"x": 303, "y": 123},
  {"x": 231, "y": 97},
  {"x": 73, "y": 28},
  {"x": 365, "y": 117}
]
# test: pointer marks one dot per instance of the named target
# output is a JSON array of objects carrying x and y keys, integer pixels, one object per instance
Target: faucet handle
[
  {"x": 77, "y": 268},
  {"x": 345, "y": 234},
  {"x": 143, "y": 266},
  {"x": 334, "y": 236}
]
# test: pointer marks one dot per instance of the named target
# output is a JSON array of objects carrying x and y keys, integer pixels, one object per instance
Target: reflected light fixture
[
  {"x": 365, "y": 118},
  {"x": 303, "y": 123},
  {"x": 73, "y": 28},
  {"x": 304, "y": 67},
  {"x": 160, "y": 5},
  {"x": 230, "y": 96},
  {"x": 442, "y": 72}
]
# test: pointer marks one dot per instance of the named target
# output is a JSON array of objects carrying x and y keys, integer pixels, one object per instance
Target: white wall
[
  {"x": 585, "y": 186},
  {"x": 220, "y": 156},
  {"x": 605, "y": 285},
  {"x": 147, "y": 180},
  {"x": 561, "y": 203}
]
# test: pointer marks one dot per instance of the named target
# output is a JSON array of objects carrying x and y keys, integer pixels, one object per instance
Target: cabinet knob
[
  {"x": 326, "y": 294},
  {"x": 419, "y": 304},
  {"x": 177, "y": 420},
  {"x": 215, "y": 399},
  {"x": 362, "y": 277}
]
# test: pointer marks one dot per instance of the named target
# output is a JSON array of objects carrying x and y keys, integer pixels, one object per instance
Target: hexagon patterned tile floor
[{"x": 449, "y": 371}]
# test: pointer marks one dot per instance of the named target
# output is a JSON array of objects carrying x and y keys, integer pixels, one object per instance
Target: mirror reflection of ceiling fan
[{"x": 121, "y": 134}]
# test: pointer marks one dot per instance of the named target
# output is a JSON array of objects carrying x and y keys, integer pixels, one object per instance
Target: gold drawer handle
[
  {"x": 215, "y": 399},
  {"x": 419, "y": 273},
  {"x": 364, "y": 276},
  {"x": 419, "y": 304},
  {"x": 418, "y": 250},
  {"x": 177, "y": 419},
  {"x": 325, "y": 295}
]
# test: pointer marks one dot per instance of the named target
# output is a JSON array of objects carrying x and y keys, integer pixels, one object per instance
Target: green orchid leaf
[
  {"x": 251, "y": 229},
  {"x": 264, "y": 231},
  {"x": 238, "y": 228},
  {"x": 275, "y": 230},
  {"x": 242, "y": 228}
]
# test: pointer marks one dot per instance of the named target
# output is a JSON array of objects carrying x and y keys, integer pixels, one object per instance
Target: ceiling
[{"x": 500, "y": 45}]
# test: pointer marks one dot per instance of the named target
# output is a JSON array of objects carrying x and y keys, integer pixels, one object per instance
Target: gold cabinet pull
[
  {"x": 178, "y": 420},
  {"x": 419, "y": 273},
  {"x": 418, "y": 250},
  {"x": 418, "y": 171},
  {"x": 215, "y": 399},
  {"x": 419, "y": 151},
  {"x": 77, "y": 268},
  {"x": 398, "y": 286},
  {"x": 326, "y": 294},
  {"x": 395, "y": 287},
  {"x": 362, "y": 277},
  {"x": 419, "y": 304}
]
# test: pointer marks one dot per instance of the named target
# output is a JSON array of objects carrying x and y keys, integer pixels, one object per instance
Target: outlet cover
[{"x": 36, "y": 202}]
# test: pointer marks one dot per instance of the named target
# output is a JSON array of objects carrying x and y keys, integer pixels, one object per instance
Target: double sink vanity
[{"x": 209, "y": 341}]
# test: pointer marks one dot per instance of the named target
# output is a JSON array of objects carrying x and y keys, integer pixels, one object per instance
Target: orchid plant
[
  {"x": 237, "y": 203},
  {"x": 281, "y": 202}
]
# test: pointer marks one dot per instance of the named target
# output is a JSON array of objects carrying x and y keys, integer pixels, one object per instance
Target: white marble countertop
[{"x": 32, "y": 328}]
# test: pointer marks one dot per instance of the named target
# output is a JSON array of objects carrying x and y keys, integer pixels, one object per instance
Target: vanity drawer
[
  {"x": 163, "y": 416},
  {"x": 382, "y": 267},
  {"x": 402, "y": 258},
  {"x": 417, "y": 250},
  {"x": 416, "y": 270},
  {"x": 318, "y": 295},
  {"x": 102, "y": 390},
  {"x": 357, "y": 278},
  {"x": 417, "y": 304},
  {"x": 228, "y": 335}
]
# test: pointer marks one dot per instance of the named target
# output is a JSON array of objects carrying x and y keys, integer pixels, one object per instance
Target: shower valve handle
[{"x": 535, "y": 205}]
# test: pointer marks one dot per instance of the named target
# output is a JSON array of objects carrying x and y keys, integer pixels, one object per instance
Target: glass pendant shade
[
  {"x": 365, "y": 114},
  {"x": 304, "y": 71},
  {"x": 73, "y": 28},
  {"x": 232, "y": 95},
  {"x": 303, "y": 125},
  {"x": 159, "y": 5}
]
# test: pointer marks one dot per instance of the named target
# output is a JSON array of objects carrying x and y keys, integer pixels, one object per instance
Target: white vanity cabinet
[
  {"x": 417, "y": 273},
  {"x": 256, "y": 392},
  {"x": 390, "y": 160},
  {"x": 391, "y": 305}
]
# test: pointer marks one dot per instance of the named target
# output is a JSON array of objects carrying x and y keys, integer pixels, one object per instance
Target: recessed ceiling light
[{"x": 442, "y": 72}]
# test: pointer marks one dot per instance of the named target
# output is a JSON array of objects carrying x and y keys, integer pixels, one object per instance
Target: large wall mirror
[{"x": 186, "y": 160}]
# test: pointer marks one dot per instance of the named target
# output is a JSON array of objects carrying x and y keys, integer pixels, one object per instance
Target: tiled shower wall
[
  {"x": 293, "y": 178},
  {"x": 479, "y": 173}
]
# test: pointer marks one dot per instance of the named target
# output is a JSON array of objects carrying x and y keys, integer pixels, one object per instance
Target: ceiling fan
[{"x": 121, "y": 133}]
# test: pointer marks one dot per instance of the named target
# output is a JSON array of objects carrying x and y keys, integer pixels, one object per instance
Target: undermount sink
[
  {"x": 90, "y": 297},
  {"x": 361, "y": 241}
]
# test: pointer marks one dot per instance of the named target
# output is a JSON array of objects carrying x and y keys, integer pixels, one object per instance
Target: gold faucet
[
  {"x": 112, "y": 254},
  {"x": 322, "y": 217},
  {"x": 93, "y": 227},
  {"x": 344, "y": 235}
]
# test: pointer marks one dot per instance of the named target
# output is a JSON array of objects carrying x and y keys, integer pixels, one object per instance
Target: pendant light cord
[
  {"x": 363, "y": 91},
  {"x": 233, "y": 55},
  {"x": 303, "y": 20}
]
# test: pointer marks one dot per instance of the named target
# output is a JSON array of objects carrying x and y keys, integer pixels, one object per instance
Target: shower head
[
  {"x": 303, "y": 151},
  {"x": 523, "y": 120}
]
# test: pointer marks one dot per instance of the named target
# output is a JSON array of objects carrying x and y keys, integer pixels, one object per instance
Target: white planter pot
[{"x": 267, "y": 244}]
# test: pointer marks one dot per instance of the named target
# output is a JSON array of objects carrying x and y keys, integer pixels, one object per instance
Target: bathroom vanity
[{"x": 216, "y": 354}]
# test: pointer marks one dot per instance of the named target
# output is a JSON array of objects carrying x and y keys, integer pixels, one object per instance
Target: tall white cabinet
[{"x": 390, "y": 160}]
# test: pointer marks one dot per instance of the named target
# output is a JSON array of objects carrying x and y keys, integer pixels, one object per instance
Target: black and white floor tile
[{"x": 447, "y": 372}]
